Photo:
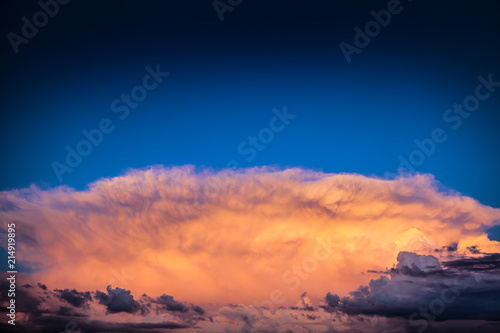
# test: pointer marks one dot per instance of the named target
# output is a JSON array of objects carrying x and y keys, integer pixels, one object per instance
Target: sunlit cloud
[{"x": 284, "y": 239}]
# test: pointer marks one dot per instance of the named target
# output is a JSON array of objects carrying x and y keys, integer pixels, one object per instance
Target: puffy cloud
[
  {"x": 73, "y": 297},
  {"x": 332, "y": 301},
  {"x": 422, "y": 289},
  {"x": 169, "y": 304},
  {"x": 118, "y": 300},
  {"x": 43, "y": 310},
  {"x": 252, "y": 236},
  {"x": 421, "y": 263}
]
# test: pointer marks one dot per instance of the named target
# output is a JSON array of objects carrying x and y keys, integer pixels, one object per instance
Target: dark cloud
[
  {"x": 310, "y": 317},
  {"x": 450, "y": 248},
  {"x": 420, "y": 290},
  {"x": 25, "y": 300},
  {"x": 76, "y": 324},
  {"x": 473, "y": 249},
  {"x": 73, "y": 297},
  {"x": 332, "y": 301},
  {"x": 490, "y": 262},
  {"x": 118, "y": 300},
  {"x": 48, "y": 313},
  {"x": 198, "y": 309},
  {"x": 68, "y": 312},
  {"x": 168, "y": 303}
]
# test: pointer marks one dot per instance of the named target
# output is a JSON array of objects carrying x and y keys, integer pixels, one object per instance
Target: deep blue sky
[{"x": 226, "y": 78}]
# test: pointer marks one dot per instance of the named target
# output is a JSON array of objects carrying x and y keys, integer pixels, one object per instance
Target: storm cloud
[{"x": 294, "y": 240}]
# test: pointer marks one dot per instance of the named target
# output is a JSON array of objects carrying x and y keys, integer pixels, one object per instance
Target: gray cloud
[
  {"x": 73, "y": 297},
  {"x": 118, "y": 300},
  {"x": 422, "y": 289}
]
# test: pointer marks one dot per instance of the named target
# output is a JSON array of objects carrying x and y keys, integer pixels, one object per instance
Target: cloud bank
[{"x": 287, "y": 239}]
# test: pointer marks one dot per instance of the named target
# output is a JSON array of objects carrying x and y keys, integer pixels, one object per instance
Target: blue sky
[
  {"x": 226, "y": 78},
  {"x": 168, "y": 93}
]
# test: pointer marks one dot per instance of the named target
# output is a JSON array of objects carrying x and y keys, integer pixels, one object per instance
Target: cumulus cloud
[
  {"x": 116, "y": 310},
  {"x": 73, "y": 297},
  {"x": 251, "y": 236},
  {"x": 118, "y": 300},
  {"x": 169, "y": 304},
  {"x": 422, "y": 289}
]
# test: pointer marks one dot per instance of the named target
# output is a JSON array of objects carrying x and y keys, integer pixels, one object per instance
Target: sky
[{"x": 251, "y": 166}]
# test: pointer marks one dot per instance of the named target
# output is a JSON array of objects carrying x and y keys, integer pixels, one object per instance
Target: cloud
[
  {"x": 118, "y": 300},
  {"x": 116, "y": 310},
  {"x": 489, "y": 262},
  {"x": 169, "y": 304},
  {"x": 401, "y": 302},
  {"x": 73, "y": 297},
  {"x": 246, "y": 237},
  {"x": 332, "y": 301},
  {"x": 60, "y": 324},
  {"x": 422, "y": 289}
]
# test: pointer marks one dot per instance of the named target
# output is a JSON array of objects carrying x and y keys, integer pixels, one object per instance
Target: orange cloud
[{"x": 236, "y": 236}]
